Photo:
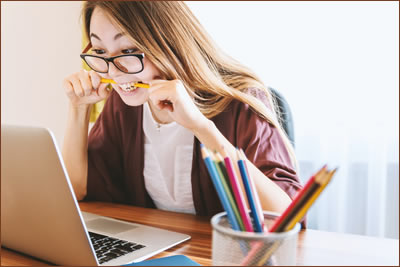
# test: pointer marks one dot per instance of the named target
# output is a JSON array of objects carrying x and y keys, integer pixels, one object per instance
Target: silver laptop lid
[{"x": 36, "y": 194}]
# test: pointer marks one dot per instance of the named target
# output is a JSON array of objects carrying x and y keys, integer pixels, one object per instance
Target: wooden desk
[{"x": 314, "y": 247}]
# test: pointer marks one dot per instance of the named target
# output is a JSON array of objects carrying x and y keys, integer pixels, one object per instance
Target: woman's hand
[
  {"x": 84, "y": 88},
  {"x": 172, "y": 97}
]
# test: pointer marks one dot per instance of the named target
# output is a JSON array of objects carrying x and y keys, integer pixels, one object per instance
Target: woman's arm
[
  {"x": 183, "y": 110},
  {"x": 83, "y": 89},
  {"x": 272, "y": 197},
  {"x": 74, "y": 149}
]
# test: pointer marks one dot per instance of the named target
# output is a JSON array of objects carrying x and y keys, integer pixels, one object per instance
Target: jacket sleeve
[{"x": 264, "y": 147}]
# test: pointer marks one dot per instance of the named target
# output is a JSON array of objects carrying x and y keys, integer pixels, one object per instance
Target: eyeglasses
[{"x": 131, "y": 64}]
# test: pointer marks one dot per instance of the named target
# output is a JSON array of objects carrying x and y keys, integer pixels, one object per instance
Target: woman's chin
[{"x": 133, "y": 98}]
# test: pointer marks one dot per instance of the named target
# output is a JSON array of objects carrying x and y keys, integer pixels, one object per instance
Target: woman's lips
[
  {"x": 121, "y": 91},
  {"x": 127, "y": 87}
]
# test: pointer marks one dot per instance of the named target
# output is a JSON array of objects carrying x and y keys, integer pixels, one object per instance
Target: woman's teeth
[{"x": 128, "y": 87}]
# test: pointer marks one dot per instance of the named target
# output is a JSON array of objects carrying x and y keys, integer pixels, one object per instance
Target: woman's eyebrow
[{"x": 118, "y": 35}]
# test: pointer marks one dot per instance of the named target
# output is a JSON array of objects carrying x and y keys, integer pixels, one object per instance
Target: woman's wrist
[
  {"x": 80, "y": 113},
  {"x": 212, "y": 138},
  {"x": 203, "y": 128}
]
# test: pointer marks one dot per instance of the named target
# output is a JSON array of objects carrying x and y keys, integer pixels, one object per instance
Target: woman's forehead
[{"x": 104, "y": 27}]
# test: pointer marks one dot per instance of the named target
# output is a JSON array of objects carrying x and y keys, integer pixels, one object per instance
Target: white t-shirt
[{"x": 168, "y": 155}]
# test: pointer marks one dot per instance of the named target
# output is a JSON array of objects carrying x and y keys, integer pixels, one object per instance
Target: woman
[{"x": 144, "y": 148}]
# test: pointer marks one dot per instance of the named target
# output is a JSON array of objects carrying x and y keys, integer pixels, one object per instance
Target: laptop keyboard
[{"x": 108, "y": 248}]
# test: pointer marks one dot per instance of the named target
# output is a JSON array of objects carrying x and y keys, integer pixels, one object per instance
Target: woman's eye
[
  {"x": 129, "y": 51},
  {"x": 98, "y": 51}
]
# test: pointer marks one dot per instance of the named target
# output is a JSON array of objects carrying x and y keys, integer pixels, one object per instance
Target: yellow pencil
[
  {"x": 324, "y": 182},
  {"x": 138, "y": 84},
  {"x": 269, "y": 253}
]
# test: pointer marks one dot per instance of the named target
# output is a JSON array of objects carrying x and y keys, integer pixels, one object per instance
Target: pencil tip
[
  {"x": 204, "y": 151},
  {"x": 223, "y": 152},
  {"x": 239, "y": 156}
]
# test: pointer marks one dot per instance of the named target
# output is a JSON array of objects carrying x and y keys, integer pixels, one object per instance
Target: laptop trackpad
[{"x": 108, "y": 226}]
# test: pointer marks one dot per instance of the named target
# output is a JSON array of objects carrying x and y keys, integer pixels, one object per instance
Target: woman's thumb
[{"x": 104, "y": 90}]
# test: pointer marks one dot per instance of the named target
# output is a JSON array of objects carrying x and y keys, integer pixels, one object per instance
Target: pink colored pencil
[{"x": 238, "y": 193}]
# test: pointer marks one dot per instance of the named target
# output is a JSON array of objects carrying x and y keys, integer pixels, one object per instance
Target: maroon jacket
[{"x": 116, "y": 155}]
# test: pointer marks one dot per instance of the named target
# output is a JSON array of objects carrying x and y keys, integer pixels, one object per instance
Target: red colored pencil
[{"x": 278, "y": 224}]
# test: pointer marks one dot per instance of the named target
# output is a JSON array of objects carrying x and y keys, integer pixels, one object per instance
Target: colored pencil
[
  {"x": 269, "y": 253},
  {"x": 251, "y": 195},
  {"x": 225, "y": 183},
  {"x": 319, "y": 183},
  {"x": 254, "y": 189},
  {"x": 256, "y": 248},
  {"x": 324, "y": 182},
  {"x": 219, "y": 188},
  {"x": 237, "y": 191},
  {"x": 313, "y": 189},
  {"x": 278, "y": 224}
]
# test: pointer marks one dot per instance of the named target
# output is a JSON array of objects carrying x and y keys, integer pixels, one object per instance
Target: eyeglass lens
[{"x": 125, "y": 64}]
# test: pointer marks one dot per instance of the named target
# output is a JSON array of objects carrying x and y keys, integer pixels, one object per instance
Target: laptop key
[
  {"x": 108, "y": 248},
  {"x": 118, "y": 251},
  {"x": 97, "y": 236},
  {"x": 105, "y": 259},
  {"x": 120, "y": 242},
  {"x": 136, "y": 247},
  {"x": 111, "y": 255},
  {"x": 126, "y": 248}
]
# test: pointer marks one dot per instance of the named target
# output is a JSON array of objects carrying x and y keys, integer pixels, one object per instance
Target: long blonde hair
[{"x": 173, "y": 39}]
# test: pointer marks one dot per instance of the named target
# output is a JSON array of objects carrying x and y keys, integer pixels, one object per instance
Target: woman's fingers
[
  {"x": 166, "y": 104},
  {"x": 162, "y": 91},
  {"x": 103, "y": 91},
  {"x": 86, "y": 83},
  {"x": 76, "y": 84},
  {"x": 69, "y": 89},
  {"x": 95, "y": 78},
  {"x": 84, "y": 88}
]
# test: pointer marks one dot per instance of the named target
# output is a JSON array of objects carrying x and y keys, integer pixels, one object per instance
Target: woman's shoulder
[
  {"x": 239, "y": 113},
  {"x": 260, "y": 94},
  {"x": 238, "y": 106}
]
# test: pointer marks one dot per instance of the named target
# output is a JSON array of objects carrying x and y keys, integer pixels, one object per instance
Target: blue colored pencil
[
  {"x": 255, "y": 194},
  {"x": 251, "y": 196},
  {"x": 220, "y": 167},
  {"x": 219, "y": 188}
]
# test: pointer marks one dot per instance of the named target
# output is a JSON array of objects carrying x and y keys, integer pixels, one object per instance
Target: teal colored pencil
[
  {"x": 219, "y": 188},
  {"x": 224, "y": 180}
]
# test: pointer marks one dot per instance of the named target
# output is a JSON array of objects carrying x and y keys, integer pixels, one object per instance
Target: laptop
[{"x": 40, "y": 215}]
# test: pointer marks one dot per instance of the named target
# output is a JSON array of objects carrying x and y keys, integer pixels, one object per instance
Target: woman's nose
[{"x": 113, "y": 71}]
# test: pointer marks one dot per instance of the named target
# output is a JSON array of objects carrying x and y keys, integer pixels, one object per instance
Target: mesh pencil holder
[{"x": 230, "y": 247}]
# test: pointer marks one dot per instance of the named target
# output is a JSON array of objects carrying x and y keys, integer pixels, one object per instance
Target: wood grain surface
[{"x": 314, "y": 247}]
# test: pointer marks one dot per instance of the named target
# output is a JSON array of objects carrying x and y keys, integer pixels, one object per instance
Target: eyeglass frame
[{"x": 111, "y": 59}]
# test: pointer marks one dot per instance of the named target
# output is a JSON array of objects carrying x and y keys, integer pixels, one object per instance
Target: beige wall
[{"x": 40, "y": 45}]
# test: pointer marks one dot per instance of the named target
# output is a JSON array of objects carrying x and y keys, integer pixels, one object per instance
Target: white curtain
[
  {"x": 363, "y": 196},
  {"x": 337, "y": 65}
]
